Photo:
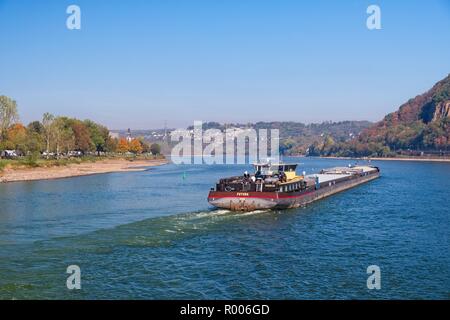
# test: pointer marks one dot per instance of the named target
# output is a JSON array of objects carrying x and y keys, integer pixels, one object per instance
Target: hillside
[
  {"x": 422, "y": 124},
  {"x": 297, "y": 138}
]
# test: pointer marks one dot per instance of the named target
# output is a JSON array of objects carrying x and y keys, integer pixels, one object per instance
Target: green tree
[
  {"x": 286, "y": 145},
  {"x": 37, "y": 127},
  {"x": 328, "y": 145},
  {"x": 63, "y": 135},
  {"x": 111, "y": 144},
  {"x": 145, "y": 146},
  {"x": 35, "y": 142},
  {"x": 47, "y": 124},
  {"x": 99, "y": 135},
  {"x": 8, "y": 115},
  {"x": 155, "y": 149}
]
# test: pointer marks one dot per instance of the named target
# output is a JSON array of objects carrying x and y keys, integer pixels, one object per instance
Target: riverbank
[{"x": 15, "y": 174}]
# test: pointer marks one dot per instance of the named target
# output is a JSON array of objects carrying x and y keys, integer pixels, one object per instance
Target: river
[{"x": 152, "y": 235}]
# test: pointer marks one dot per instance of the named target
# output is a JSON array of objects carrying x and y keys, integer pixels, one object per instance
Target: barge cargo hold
[{"x": 277, "y": 186}]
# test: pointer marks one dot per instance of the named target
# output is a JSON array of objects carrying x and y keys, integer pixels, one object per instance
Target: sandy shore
[{"x": 74, "y": 170}]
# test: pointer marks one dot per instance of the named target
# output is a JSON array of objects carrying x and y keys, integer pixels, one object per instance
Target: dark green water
[{"x": 152, "y": 235}]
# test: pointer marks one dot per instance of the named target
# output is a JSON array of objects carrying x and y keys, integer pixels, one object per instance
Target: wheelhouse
[
  {"x": 273, "y": 169},
  {"x": 268, "y": 177}
]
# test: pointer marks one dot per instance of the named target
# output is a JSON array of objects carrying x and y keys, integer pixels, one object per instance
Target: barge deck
[{"x": 278, "y": 187}]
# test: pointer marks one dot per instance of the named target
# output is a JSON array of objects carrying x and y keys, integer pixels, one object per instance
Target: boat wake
[
  {"x": 158, "y": 231},
  {"x": 221, "y": 212}
]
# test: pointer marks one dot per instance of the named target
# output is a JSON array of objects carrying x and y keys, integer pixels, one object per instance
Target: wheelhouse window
[{"x": 290, "y": 167}]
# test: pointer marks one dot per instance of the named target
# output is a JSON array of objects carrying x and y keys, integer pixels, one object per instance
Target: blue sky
[{"x": 138, "y": 63}]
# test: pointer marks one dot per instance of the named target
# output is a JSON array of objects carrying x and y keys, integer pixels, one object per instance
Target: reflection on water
[{"x": 152, "y": 235}]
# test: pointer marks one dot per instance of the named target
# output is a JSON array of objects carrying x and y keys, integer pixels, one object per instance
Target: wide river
[{"x": 152, "y": 235}]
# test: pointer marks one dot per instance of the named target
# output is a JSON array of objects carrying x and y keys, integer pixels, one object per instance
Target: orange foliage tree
[
  {"x": 17, "y": 135},
  {"x": 135, "y": 146},
  {"x": 17, "y": 131},
  {"x": 122, "y": 146}
]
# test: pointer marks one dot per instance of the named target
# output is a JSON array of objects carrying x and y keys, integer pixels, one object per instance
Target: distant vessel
[{"x": 277, "y": 186}]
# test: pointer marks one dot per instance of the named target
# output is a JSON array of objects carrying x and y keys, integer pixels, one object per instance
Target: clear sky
[{"x": 138, "y": 63}]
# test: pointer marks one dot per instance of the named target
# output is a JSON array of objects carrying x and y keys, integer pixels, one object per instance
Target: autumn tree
[
  {"x": 60, "y": 135},
  {"x": 17, "y": 135},
  {"x": 82, "y": 136},
  {"x": 135, "y": 146},
  {"x": 122, "y": 145}
]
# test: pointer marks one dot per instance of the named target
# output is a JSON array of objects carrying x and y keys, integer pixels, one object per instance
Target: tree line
[{"x": 60, "y": 135}]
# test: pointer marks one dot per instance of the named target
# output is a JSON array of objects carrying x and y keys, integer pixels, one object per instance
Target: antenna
[{"x": 165, "y": 130}]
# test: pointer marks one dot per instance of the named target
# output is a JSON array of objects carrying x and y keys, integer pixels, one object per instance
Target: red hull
[{"x": 248, "y": 201}]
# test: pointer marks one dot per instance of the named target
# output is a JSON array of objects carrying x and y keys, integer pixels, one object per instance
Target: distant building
[
  {"x": 129, "y": 135},
  {"x": 114, "y": 135}
]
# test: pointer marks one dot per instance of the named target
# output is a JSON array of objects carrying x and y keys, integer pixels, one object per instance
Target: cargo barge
[{"x": 277, "y": 186}]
